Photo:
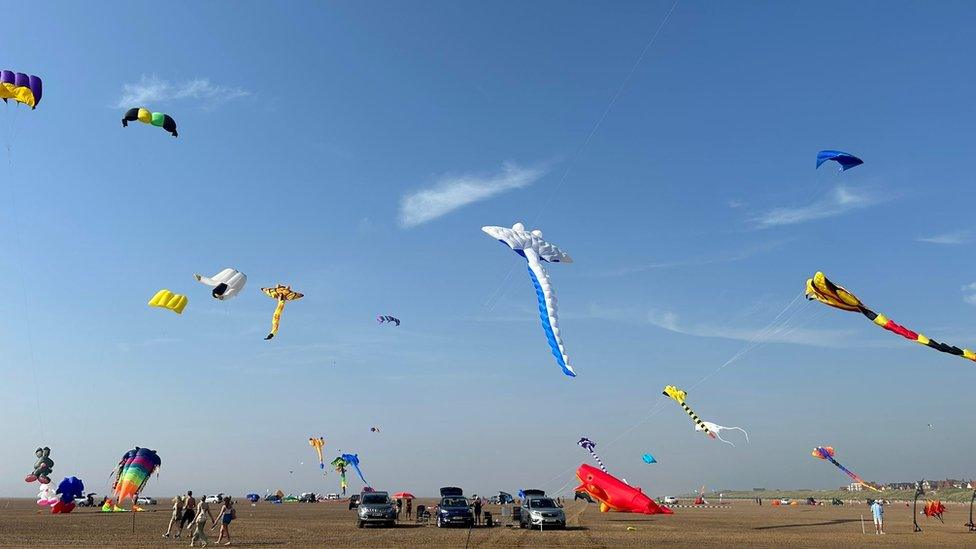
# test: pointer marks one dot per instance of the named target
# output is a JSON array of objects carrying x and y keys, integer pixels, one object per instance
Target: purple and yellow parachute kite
[
  {"x": 133, "y": 471},
  {"x": 22, "y": 88}
]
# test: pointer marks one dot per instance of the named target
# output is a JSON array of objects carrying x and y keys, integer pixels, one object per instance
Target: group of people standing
[{"x": 194, "y": 514}]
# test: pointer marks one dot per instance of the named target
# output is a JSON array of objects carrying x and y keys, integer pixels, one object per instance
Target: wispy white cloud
[
  {"x": 970, "y": 290},
  {"x": 152, "y": 89},
  {"x": 838, "y": 202},
  {"x": 451, "y": 192},
  {"x": 778, "y": 332},
  {"x": 955, "y": 237},
  {"x": 710, "y": 259}
]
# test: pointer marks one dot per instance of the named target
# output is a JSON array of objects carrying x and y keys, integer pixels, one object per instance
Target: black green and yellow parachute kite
[
  {"x": 819, "y": 288},
  {"x": 146, "y": 116}
]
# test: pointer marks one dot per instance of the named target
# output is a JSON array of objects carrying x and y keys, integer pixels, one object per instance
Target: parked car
[
  {"x": 353, "y": 501},
  {"x": 541, "y": 511},
  {"x": 307, "y": 497},
  {"x": 332, "y": 496},
  {"x": 784, "y": 501},
  {"x": 453, "y": 510},
  {"x": 213, "y": 499},
  {"x": 145, "y": 500},
  {"x": 670, "y": 500},
  {"x": 376, "y": 508}
]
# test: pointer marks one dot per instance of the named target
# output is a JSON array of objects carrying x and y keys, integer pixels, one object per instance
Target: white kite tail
[{"x": 548, "y": 310}]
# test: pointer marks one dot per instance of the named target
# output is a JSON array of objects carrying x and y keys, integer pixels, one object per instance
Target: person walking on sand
[
  {"x": 176, "y": 518},
  {"x": 227, "y": 514},
  {"x": 477, "y": 510},
  {"x": 399, "y": 507},
  {"x": 409, "y": 508},
  {"x": 877, "y": 511},
  {"x": 200, "y": 523},
  {"x": 189, "y": 511}
]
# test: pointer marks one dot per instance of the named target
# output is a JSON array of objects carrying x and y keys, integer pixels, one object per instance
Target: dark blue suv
[{"x": 453, "y": 509}]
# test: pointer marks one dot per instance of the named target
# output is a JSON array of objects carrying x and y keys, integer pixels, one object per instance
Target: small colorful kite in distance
[
  {"x": 648, "y": 458},
  {"x": 846, "y": 160},
  {"x": 152, "y": 118},
  {"x": 827, "y": 453},
  {"x": 821, "y": 289}
]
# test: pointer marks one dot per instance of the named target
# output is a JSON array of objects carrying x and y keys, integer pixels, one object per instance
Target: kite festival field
[{"x": 331, "y": 524}]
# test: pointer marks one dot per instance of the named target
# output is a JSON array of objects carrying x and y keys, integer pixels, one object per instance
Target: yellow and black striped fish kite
[{"x": 819, "y": 288}]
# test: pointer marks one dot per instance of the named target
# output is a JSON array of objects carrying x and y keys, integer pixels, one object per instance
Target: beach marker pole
[{"x": 862, "y": 525}]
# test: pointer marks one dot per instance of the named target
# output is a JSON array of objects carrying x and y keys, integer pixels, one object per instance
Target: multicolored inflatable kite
[
  {"x": 827, "y": 453},
  {"x": 133, "y": 472},
  {"x": 821, "y": 289},
  {"x": 282, "y": 293},
  {"x": 22, "y": 88},
  {"x": 535, "y": 250},
  {"x": 340, "y": 465},
  {"x": 152, "y": 118},
  {"x": 43, "y": 467}
]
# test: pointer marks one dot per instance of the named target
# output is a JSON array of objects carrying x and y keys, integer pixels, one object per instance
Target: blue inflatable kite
[
  {"x": 353, "y": 459},
  {"x": 846, "y": 160}
]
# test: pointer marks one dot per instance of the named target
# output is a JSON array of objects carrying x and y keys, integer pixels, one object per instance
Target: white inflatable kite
[
  {"x": 534, "y": 249},
  {"x": 226, "y": 284}
]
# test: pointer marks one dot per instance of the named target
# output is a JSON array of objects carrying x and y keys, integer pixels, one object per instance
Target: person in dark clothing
[
  {"x": 409, "y": 508},
  {"x": 477, "y": 511},
  {"x": 399, "y": 507}
]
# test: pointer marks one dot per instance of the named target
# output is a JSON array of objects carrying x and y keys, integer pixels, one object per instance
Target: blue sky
[{"x": 354, "y": 151}]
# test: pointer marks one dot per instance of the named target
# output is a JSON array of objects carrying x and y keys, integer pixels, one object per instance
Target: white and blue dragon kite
[{"x": 531, "y": 246}]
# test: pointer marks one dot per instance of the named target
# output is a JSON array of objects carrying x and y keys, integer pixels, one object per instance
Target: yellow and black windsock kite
[
  {"x": 679, "y": 396},
  {"x": 282, "y": 293},
  {"x": 819, "y": 288}
]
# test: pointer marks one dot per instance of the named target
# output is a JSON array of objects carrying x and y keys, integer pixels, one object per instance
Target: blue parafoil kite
[
  {"x": 648, "y": 458},
  {"x": 353, "y": 459},
  {"x": 846, "y": 160},
  {"x": 535, "y": 250}
]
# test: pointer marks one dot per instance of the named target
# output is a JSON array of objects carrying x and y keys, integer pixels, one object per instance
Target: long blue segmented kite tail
[{"x": 547, "y": 326}]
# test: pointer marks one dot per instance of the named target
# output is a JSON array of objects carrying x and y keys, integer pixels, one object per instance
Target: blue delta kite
[{"x": 535, "y": 250}]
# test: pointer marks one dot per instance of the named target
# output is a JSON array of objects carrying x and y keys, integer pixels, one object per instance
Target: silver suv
[
  {"x": 541, "y": 512},
  {"x": 376, "y": 508}
]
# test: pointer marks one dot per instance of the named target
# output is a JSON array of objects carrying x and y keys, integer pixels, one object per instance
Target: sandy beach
[{"x": 741, "y": 523}]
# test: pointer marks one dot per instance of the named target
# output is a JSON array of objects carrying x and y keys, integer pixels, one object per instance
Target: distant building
[{"x": 854, "y": 487}]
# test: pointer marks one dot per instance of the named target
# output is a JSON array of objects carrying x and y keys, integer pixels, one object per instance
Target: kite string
[
  {"x": 606, "y": 111},
  {"x": 589, "y": 136},
  {"x": 23, "y": 284},
  {"x": 768, "y": 331}
]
